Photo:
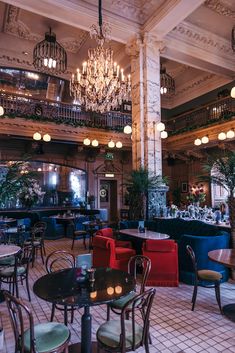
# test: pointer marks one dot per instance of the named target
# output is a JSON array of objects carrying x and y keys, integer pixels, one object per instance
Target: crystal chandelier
[
  {"x": 49, "y": 56},
  {"x": 101, "y": 85},
  {"x": 167, "y": 82}
]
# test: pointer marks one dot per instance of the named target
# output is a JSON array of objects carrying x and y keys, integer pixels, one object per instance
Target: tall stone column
[{"x": 146, "y": 113}]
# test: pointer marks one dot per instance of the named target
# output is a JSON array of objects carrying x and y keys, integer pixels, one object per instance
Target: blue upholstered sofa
[{"x": 202, "y": 237}]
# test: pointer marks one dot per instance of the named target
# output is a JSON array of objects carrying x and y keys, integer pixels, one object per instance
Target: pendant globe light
[
  {"x": 101, "y": 84},
  {"x": 167, "y": 82},
  {"x": 49, "y": 56}
]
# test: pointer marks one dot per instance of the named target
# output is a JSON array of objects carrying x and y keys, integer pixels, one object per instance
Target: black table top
[{"x": 64, "y": 287}]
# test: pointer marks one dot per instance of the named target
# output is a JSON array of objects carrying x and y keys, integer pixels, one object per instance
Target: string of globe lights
[
  {"x": 221, "y": 137},
  {"x": 37, "y": 136}
]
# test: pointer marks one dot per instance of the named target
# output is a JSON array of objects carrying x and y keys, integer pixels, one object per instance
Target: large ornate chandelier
[{"x": 101, "y": 85}]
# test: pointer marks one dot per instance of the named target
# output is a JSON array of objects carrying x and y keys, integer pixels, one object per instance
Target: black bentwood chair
[
  {"x": 44, "y": 338},
  {"x": 204, "y": 278},
  {"x": 123, "y": 335},
  {"x": 18, "y": 272},
  {"x": 135, "y": 264},
  {"x": 60, "y": 260},
  {"x": 36, "y": 240}
]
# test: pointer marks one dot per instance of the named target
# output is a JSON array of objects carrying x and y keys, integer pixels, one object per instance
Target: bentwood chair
[
  {"x": 204, "y": 278},
  {"x": 18, "y": 272},
  {"x": 58, "y": 260},
  {"x": 123, "y": 335},
  {"x": 138, "y": 263},
  {"x": 37, "y": 240},
  {"x": 44, "y": 338}
]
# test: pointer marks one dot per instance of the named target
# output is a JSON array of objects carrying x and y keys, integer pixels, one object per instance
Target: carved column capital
[{"x": 133, "y": 47}]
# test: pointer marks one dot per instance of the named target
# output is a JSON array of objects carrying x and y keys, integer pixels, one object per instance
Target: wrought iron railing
[
  {"x": 60, "y": 113},
  {"x": 213, "y": 113}
]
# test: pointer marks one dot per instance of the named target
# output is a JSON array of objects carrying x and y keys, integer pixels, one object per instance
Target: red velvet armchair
[
  {"x": 108, "y": 233},
  {"x": 106, "y": 254},
  {"x": 164, "y": 262}
]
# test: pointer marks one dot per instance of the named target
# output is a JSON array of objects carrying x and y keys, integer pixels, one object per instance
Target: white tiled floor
[{"x": 174, "y": 327}]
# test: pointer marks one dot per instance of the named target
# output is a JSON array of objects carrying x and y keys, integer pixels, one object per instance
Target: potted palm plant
[
  {"x": 138, "y": 185},
  {"x": 223, "y": 163}
]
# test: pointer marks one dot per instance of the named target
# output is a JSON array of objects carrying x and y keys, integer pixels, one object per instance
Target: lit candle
[
  {"x": 110, "y": 290},
  {"x": 84, "y": 67},
  {"x": 118, "y": 68},
  {"x": 95, "y": 65},
  {"x": 122, "y": 75},
  {"x": 106, "y": 66},
  {"x": 78, "y": 74},
  {"x": 72, "y": 78},
  {"x": 118, "y": 289},
  {"x": 129, "y": 78}
]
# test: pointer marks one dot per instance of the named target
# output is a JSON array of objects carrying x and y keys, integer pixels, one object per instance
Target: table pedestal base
[
  {"x": 229, "y": 311},
  {"x": 76, "y": 348}
]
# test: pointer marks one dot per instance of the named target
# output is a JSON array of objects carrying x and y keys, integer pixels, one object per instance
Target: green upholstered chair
[
  {"x": 58, "y": 260},
  {"x": 204, "y": 278},
  {"x": 41, "y": 338},
  {"x": 17, "y": 272},
  {"x": 122, "y": 335},
  {"x": 37, "y": 240},
  {"x": 136, "y": 263}
]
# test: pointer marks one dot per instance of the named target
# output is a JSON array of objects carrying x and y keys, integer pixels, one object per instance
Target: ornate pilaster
[{"x": 146, "y": 112}]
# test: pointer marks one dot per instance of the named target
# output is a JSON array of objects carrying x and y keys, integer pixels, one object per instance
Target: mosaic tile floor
[{"x": 174, "y": 327}]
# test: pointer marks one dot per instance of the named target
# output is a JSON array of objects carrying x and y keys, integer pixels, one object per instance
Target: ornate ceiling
[{"x": 195, "y": 35}]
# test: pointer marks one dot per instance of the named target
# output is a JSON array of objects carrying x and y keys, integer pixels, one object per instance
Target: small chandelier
[
  {"x": 101, "y": 85},
  {"x": 167, "y": 82},
  {"x": 49, "y": 56}
]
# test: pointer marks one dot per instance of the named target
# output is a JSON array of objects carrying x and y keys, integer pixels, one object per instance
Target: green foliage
[{"x": 16, "y": 179}]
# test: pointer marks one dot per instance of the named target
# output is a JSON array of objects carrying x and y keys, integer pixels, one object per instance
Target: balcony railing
[
  {"x": 213, "y": 113},
  {"x": 60, "y": 113}
]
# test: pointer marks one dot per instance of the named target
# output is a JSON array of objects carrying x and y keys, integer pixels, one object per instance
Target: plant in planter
[
  {"x": 138, "y": 186},
  {"x": 17, "y": 179},
  {"x": 223, "y": 164}
]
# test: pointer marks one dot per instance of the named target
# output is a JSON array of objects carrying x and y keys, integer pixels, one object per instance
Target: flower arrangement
[
  {"x": 197, "y": 196},
  {"x": 31, "y": 193}
]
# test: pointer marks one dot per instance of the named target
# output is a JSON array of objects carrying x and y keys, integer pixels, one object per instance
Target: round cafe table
[
  {"x": 69, "y": 288},
  {"x": 225, "y": 257},
  {"x": 7, "y": 250}
]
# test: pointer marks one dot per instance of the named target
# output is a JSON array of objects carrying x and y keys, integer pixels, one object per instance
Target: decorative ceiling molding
[
  {"x": 16, "y": 27},
  {"x": 203, "y": 39},
  {"x": 194, "y": 83},
  {"x": 73, "y": 45},
  {"x": 218, "y": 7},
  {"x": 6, "y": 59}
]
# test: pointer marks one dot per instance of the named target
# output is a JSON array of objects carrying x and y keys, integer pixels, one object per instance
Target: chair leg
[
  {"x": 44, "y": 249},
  {"x": 73, "y": 242},
  {"x": 108, "y": 312},
  {"x": 52, "y": 312},
  {"x": 84, "y": 241},
  {"x": 72, "y": 315},
  {"x": 194, "y": 296},
  {"x": 217, "y": 295},
  {"x": 41, "y": 252},
  {"x": 27, "y": 287},
  {"x": 33, "y": 256},
  {"x": 146, "y": 346}
]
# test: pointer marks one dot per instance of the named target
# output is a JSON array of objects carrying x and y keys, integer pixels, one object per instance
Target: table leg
[
  {"x": 229, "y": 311},
  {"x": 86, "y": 344},
  {"x": 2, "y": 298}
]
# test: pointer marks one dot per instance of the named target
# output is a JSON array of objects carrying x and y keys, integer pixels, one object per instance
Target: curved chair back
[
  {"x": 105, "y": 232},
  {"x": 38, "y": 230},
  {"x": 18, "y": 312},
  {"x": 193, "y": 257},
  {"x": 140, "y": 262},
  {"x": 58, "y": 260},
  {"x": 103, "y": 251}
]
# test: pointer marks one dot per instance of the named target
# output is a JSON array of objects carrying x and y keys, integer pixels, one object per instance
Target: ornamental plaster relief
[
  {"x": 16, "y": 27},
  {"x": 195, "y": 36},
  {"x": 220, "y": 8}
]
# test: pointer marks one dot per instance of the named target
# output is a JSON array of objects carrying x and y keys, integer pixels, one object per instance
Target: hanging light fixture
[
  {"x": 1, "y": 111},
  {"x": 101, "y": 85},
  {"x": 222, "y": 136},
  {"x": 87, "y": 141},
  {"x": 37, "y": 136},
  {"x": 127, "y": 129},
  {"x": 111, "y": 144},
  {"x": 167, "y": 82},
  {"x": 205, "y": 139},
  {"x": 95, "y": 143},
  {"x": 119, "y": 144},
  {"x": 160, "y": 127},
  {"x": 49, "y": 55},
  {"x": 230, "y": 134},
  {"x": 164, "y": 134},
  {"x": 197, "y": 142}
]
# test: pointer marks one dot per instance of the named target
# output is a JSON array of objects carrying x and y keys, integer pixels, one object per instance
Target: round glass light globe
[
  {"x": 164, "y": 134},
  {"x": 119, "y": 144},
  {"x": 127, "y": 129},
  {"x": 232, "y": 93},
  {"x": 222, "y": 136},
  {"x": 230, "y": 134},
  {"x": 160, "y": 127},
  {"x": 87, "y": 141},
  {"x": 205, "y": 139},
  {"x": 1, "y": 110},
  {"x": 95, "y": 143},
  {"x": 37, "y": 136},
  {"x": 46, "y": 138},
  {"x": 111, "y": 144},
  {"x": 197, "y": 142}
]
